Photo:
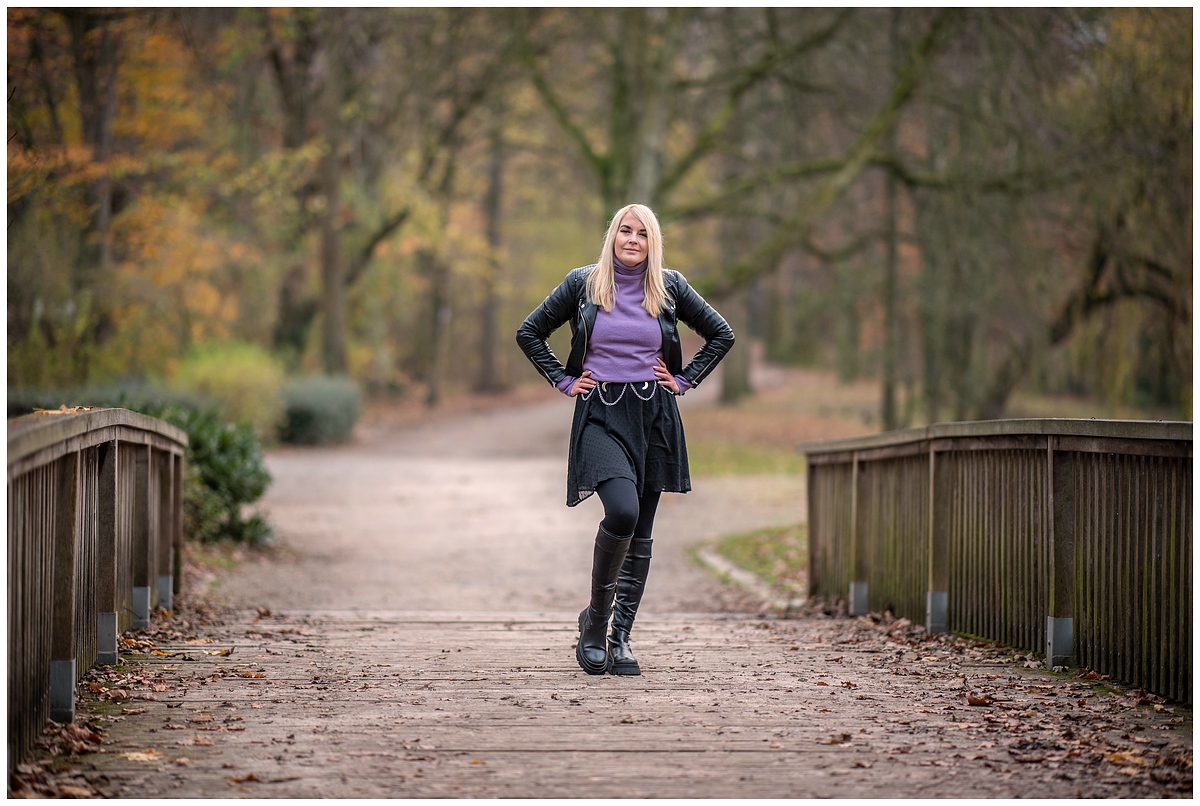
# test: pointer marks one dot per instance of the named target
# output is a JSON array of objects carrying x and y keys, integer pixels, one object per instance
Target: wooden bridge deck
[
  {"x": 428, "y": 697},
  {"x": 471, "y": 705}
]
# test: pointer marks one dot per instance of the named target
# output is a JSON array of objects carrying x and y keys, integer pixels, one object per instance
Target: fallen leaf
[
  {"x": 143, "y": 755},
  {"x": 1133, "y": 757},
  {"x": 977, "y": 698},
  {"x": 72, "y": 791}
]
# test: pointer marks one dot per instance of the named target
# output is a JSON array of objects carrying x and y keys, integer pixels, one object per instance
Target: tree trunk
[
  {"x": 333, "y": 305},
  {"x": 439, "y": 325},
  {"x": 891, "y": 328},
  {"x": 489, "y": 379},
  {"x": 654, "y": 103},
  {"x": 735, "y": 367}
]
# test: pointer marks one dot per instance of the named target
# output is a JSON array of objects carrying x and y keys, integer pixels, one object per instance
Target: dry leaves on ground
[{"x": 1073, "y": 724}]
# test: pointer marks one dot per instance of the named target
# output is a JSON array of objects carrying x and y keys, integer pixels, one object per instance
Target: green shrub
[
  {"x": 243, "y": 380},
  {"x": 225, "y": 472},
  {"x": 319, "y": 410},
  {"x": 224, "y": 461}
]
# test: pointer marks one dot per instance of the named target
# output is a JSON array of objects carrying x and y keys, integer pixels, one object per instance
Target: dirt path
[{"x": 468, "y": 513}]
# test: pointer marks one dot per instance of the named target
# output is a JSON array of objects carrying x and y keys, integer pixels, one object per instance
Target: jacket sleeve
[
  {"x": 693, "y": 311},
  {"x": 553, "y": 313}
]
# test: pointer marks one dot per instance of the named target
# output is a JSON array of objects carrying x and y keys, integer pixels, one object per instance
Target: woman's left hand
[{"x": 665, "y": 378}]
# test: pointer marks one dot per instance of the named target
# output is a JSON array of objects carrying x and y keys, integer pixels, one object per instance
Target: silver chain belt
[{"x": 600, "y": 387}]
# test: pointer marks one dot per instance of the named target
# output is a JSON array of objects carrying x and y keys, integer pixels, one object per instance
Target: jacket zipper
[{"x": 583, "y": 324}]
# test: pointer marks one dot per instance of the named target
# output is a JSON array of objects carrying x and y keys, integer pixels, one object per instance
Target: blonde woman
[{"x": 627, "y": 445}]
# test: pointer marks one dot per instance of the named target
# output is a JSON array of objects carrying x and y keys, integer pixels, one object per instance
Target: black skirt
[{"x": 627, "y": 431}]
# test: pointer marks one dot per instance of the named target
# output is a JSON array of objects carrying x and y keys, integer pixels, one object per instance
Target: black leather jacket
[{"x": 569, "y": 302}]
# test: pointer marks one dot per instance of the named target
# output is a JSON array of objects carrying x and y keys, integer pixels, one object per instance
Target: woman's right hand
[{"x": 584, "y": 385}]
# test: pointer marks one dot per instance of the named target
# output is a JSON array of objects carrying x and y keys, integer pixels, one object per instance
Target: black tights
[{"x": 625, "y": 513}]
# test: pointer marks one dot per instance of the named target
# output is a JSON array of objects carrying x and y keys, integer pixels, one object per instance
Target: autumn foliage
[{"x": 961, "y": 203}]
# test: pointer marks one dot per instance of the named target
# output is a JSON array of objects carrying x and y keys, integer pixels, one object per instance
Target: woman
[{"x": 627, "y": 445}]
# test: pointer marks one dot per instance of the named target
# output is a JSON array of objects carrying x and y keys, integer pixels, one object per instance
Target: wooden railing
[
  {"x": 1071, "y": 538},
  {"x": 95, "y": 502}
]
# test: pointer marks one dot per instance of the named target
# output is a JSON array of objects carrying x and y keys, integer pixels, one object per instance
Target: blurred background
[{"x": 289, "y": 208}]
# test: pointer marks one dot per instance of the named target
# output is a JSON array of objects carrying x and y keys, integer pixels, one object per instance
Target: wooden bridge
[
  {"x": 1071, "y": 538},
  {"x": 416, "y": 639}
]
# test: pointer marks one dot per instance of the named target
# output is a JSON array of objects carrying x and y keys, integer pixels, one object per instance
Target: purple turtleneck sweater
[{"x": 626, "y": 340}]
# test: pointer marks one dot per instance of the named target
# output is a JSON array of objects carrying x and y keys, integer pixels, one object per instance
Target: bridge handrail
[
  {"x": 1168, "y": 430},
  {"x": 1072, "y": 538},
  {"x": 95, "y": 528}
]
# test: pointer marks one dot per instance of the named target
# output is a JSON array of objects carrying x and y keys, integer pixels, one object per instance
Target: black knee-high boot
[
  {"x": 631, "y": 583},
  {"x": 609, "y": 554}
]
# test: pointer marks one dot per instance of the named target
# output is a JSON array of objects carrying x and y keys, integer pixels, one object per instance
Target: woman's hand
[
  {"x": 665, "y": 378},
  {"x": 584, "y": 385}
]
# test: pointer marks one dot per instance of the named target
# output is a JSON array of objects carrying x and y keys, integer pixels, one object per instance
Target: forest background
[{"x": 961, "y": 204}]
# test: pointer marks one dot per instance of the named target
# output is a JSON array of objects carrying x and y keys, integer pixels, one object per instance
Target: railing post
[
  {"x": 62, "y": 623},
  {"x": 937, "y": 595},
  {"x": 166, "y": 522},
  {"x": 177, "y": 521},
  {"x": 858, "y": 554},
  {"x": 143, "y": 548},
  {"x": 107, "y": 600},
  {"x": 1060, "y": 646}
]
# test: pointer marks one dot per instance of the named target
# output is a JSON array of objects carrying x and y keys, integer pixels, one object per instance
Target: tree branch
[
  {"x": 362, "y": 258},
  {"x": 746, "y": 80},
  {"x": 795, "y": 229},
  {"x": 529, "y": 59},
  {"x": 1017, "y": 183},
  {"x": 730, "y": 192}
]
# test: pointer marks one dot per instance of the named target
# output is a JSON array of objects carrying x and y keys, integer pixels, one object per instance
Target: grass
[
  {"x": 708, "y": 457},
  {"x": 777, "y": 555},
  {"x": 220, "y": 556}
]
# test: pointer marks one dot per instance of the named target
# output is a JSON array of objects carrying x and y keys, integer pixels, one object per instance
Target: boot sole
[{"x": 627, "y": 668}]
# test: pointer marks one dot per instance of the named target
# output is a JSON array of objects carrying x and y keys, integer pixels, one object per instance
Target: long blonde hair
[{"x": 602, "y": 285}]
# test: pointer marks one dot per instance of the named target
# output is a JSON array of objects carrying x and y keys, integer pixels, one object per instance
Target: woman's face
[{"x": 632, "y": 244}]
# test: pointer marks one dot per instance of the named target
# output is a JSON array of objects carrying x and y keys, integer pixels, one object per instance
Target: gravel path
[{"x": 468, "y": 513}]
